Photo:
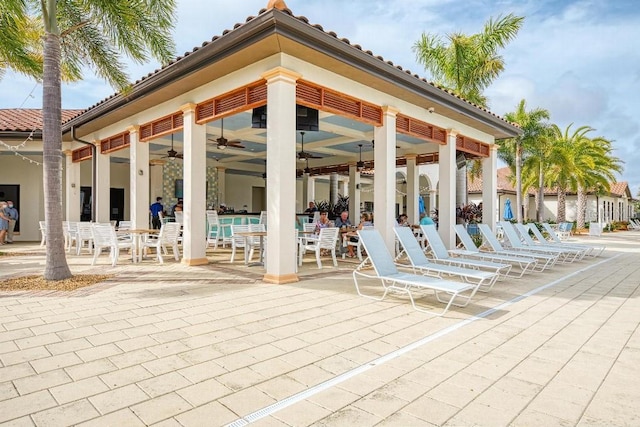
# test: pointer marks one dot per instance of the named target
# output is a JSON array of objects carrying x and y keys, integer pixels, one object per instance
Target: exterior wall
[{"x": 238, "y": 190}]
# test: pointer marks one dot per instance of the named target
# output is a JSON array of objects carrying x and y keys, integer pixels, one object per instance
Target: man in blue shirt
[
  {"x": 12, "y": 213},
  {"x": 156, "y": 209}
]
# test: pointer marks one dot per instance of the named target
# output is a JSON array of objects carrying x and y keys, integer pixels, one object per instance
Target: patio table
[{"x": 247, "y": 235}]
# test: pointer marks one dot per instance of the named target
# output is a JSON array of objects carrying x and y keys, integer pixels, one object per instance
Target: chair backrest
[
  {"x": 377, "y": 253},
  {"x": 490, "y": 238},
  {"x": 240, "y": 228},
  {"x": 551, "y": 232},
  {"x": 263, "y": 218},
  {"x": 512, "y": 235},
  {"x": 169, "y": 232},
  {"x": 124, "y": 225},
  {"x": 465, "y": 238},
  {"x": 179, "y": 216},
  {"x": 411, "y": 246},
  {"x": 328, "y": 237},
  {"x": 536, "y": 232},
  {"x": 259, "y": 228},
  {"x": 84, "y": 230},
  {"x": 316, "y": 217},
  {"x": 524, "y": 233},
  {"x": 103, "y": 235},
  {"x": 212, "y": 219},
  {"x": 436, "y": 244},
  {"x": 308, "y": 227}
]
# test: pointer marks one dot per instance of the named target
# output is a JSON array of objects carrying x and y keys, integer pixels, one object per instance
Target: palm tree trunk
[
  {"x": 56, "y": 267},
  {"x": 562, "y": 205},
  {"x": 461, "y": 187},
  {"x": 582, "y": 207},
  {"x": 540, "y": 198},
  {"x": 519, "y": 182}
]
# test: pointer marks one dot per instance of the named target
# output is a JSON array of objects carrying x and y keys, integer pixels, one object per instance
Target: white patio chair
[
  {"x": 484, "y": 280},
  {"x": 70, "y": 231},
  {"x": 84, "y": 236},
  {"x": 43, "y": 232},
  {"x": 357, "y": 243},
  {"x": 398, "y": 282},
  {"x": 214, "y": 232},
  {"x": 179, "y": 217},
  {"x": 243, "y": 242},
  {"x": 263, "y": 218},
  {"x": 104, "y": 237},
  {"x": 326, "y": 240},
  {"x": 168, "y": 237}
]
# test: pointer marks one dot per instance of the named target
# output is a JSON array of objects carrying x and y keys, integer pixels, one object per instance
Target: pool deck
[{"x": 173, "y": 345}]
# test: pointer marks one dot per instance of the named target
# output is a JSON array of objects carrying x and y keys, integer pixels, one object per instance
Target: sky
[{"x": 578, "y": 59}]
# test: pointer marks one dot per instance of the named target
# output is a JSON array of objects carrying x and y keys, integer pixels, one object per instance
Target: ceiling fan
[
  {"x": 301, "y": 172},
  {"x": 303, "y": 155},
  {"x": 224, "y": 142},
  {"x": 173, "y": 154}
]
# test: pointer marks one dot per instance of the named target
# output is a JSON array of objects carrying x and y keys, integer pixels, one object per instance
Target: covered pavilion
[{"x": 259, "y": 81}]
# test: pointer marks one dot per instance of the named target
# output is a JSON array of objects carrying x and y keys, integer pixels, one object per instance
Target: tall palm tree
[
  {"x": 467, "y": 65},
  {"x": 94, "y": 34},
  {"x": 532, "y": 140},
  {"x": 19, "y": 49}
]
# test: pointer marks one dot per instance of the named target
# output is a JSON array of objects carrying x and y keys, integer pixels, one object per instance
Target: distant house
[{"x": 616, "y": 205}]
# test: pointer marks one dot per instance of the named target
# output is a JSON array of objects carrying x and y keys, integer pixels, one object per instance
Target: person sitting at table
[
  {"x": 425, "y": 219},
  {"x": 344, "y": 224},
  {"x": 365, "y": 221},
  {"x": 323, "y": 221},
  {"x": 403, "y": 220}
]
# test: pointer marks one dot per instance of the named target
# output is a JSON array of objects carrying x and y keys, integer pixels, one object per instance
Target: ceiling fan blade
[{"x": 235, "y": 144}]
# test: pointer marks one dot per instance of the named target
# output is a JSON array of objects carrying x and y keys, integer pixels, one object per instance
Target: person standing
[
  {"x": 156, "y": 209},
  {"x": 4, "y": 222},
  {"x": 12, "y": 213}
]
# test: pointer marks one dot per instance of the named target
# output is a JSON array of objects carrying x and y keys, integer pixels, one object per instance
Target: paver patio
[{"x": 173, "y": 345}]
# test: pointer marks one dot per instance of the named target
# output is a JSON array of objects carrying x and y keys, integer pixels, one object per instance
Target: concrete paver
[{"x": 181, "y": 346}]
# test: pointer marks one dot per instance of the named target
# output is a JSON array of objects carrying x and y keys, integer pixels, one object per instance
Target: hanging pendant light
[{"x": 360, "y": 164}]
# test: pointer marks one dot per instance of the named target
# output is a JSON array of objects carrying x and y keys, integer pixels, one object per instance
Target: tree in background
[
  {"x": 531, "y": 142},
  {"x": 468, "y": 64},
  {"x": 80, "y": 34}
]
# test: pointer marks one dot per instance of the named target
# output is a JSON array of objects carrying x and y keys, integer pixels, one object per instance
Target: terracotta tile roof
[
  {"x": 474, "y": 185},
  {"x": 318, "y": 27},
  {"x": 27, "y": 119}
]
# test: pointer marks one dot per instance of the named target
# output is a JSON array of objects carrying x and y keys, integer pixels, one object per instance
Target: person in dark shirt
[{"x": 156, "y": 209}]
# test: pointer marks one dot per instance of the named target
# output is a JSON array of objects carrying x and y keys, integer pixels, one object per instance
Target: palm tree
[
  {"x": 19, "y": 50},
  {"x": 82, "y": 33},
  {"x": 532, "y": 140},
  {"x": 467, "y": 65}
]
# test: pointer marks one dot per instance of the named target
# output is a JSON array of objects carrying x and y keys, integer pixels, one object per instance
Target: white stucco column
[
  {"x": 413, "y": 189},
  {"x": 222, "y": 184},
  {"x": 281, "y": 172},
  {"x": 354, "y": 194},
  {"x": 72, "y": 196},
  {"x": 432, "y": 200},
  {"x": 447, "y": 187},
  {"x": 103, "y": 186},
  {"x": 194, "y": 244},
  {"x": 343, "y": 187},
  {"x": 384, "y": 182},
  {"x": 490, "y": 188},
  {"x": 311, "y": 190},
  {"x": 139, "y": 180}
]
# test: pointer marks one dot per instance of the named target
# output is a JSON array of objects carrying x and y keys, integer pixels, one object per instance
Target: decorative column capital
[
  {"x": 389, "y": 110},
  {"x": 220, "y": 168},
  {"x": 452, "y": 132},
  {"x": 281, "y": 74},
  {"x": 133, "y": 129},
  {"x": 410, "y": 156},
  {"x": 189, "y": 107},
  {"x": 68, "y": 153}
]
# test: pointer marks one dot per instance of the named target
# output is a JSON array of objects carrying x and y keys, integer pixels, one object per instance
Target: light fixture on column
[
  {"x": 307, "y": 170},
  {"x": 360, "y": 164}
]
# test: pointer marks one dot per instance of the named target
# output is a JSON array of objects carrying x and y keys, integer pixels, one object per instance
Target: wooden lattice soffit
[
  {"x": 328, "y": 100},
  {"x": 80, "y": 154},
  {"x": 471, "y": 146},
  {"x": 248, "y": 97},
  {"x": 419, "y": 129},
  {"x": 115, "y": 143},
  {"x": 162, "y": 126}
]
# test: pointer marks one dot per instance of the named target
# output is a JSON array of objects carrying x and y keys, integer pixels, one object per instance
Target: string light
[{"x": 15, "y": 148}]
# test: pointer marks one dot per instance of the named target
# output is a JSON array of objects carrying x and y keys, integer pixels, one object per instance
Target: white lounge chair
[
  {"x": 544, "y": 261},
  {"x": 395, "y": 281},
  {"x": 596, "y": 250},
  {"x": 516, "y": 244},
  {"x": 525, "y": 264},
  {"x": 411, "y": 247},
  {"x": 326, "y": 239},
  {"x": 586, "y": 250},
  {"x": 440, "y": 254},
  {"x": 568, "y": 253}
]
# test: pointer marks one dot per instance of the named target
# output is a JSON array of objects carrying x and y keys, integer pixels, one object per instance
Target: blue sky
[{"x": 577, "y": 59}]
